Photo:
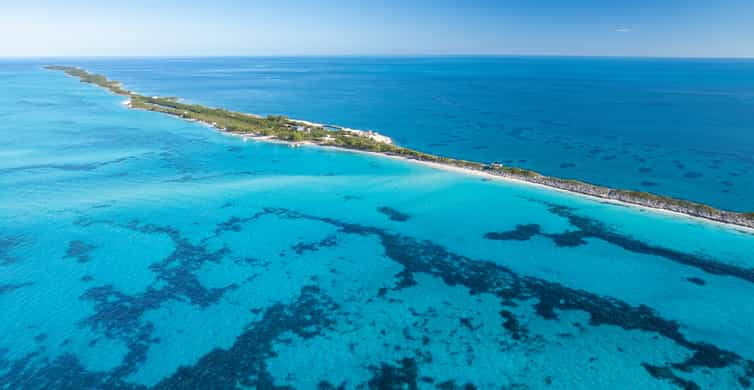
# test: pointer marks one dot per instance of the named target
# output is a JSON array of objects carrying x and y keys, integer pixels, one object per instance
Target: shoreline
[
  {"x": 510, "y": 180},
  {"x": 280, "y": 129},
  {"x": 679, "y": 215}
]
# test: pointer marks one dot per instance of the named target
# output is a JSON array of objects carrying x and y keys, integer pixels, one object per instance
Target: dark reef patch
[
  {"x": 233, "y": 224},
  {"x": 692, "y": 175},
  {"x": 303, "y": 247},
  {"x": 398, "y": 377},
  {"x": 591, "y": 228},
  {"x": 325, "y": 385},
  {"x": 512, "y": 325},
  {"x": 520, "y": 233},
  {"x": 648, "y": 184},
  {"x": 188, "y": 178},
  {"x": 517, "y": 133},
  {"x": 244, "y": 363},
  {"x": 569, "y": 239},
  {"x": 36, "y": 103},
  {"x": 554, "y": 123},
  {"x": 567, "y": 165},
  {"x": 645, "y": 170},
  {"x": 468, "y": 324},
  {"x": 8, "y": 244},
  {"x": 697, "y": 281},
  {"x": 65, "y": 167},
  {"x": 119, "y": 315},
  {"x": 63, "y": 372},
  {"x": 80, "y": 251},
  {"x": 394, "y": 214},
  {"x": 487, "y": 277},
  {"x": 452, "y": 385},
  {"x": 665, "y": 373},
  {"x": 7, "y": 288}
]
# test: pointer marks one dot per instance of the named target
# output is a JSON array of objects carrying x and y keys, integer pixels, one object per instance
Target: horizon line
[{"x": 377, "y": 55}]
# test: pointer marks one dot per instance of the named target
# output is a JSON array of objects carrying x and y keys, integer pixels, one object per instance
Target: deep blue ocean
[{"x": 142, "y": 251}]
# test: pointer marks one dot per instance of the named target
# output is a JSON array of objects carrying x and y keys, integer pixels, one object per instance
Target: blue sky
[{"x": 673, "y": 28}]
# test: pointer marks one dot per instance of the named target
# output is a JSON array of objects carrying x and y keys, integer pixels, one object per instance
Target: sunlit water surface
[{"x": 139, "y": 250}]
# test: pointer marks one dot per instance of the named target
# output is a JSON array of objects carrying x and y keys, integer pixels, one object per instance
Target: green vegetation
[
  {"x": 699, "y": 208},
  {"x": 281, "y": 128},
  {"x": 642, "y": 195},
  {"x": 87, "y": 77}
]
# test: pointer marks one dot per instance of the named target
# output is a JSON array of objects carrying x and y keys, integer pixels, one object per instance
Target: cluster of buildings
[
  {"x": 305, "y": 127},
  {"x": 373, "y": 135}
]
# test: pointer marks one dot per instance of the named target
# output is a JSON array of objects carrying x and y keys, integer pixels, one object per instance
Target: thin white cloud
[{"x": 623, "y": 30}]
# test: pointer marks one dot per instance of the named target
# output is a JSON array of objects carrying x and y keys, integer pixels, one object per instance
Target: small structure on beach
[{"x": 373, "y": 135}]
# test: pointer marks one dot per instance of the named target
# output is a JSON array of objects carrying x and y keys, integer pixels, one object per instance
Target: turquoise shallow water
[{"x": 139, "y": 250}]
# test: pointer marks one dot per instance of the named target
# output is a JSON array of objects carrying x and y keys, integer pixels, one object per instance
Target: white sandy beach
[{"x": 472, "y": 172}]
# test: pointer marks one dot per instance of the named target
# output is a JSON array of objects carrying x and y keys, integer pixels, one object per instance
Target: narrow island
[{"x": 297, "y": 132}]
